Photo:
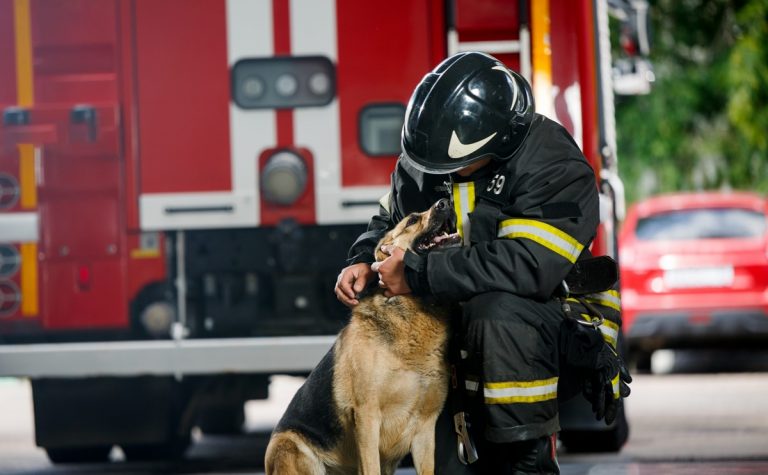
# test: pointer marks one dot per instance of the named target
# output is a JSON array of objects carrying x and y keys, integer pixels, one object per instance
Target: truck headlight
[{"x": 283, "y": 178}]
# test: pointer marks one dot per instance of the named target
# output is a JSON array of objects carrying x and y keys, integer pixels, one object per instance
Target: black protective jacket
[{"x": 531, "y": 216}]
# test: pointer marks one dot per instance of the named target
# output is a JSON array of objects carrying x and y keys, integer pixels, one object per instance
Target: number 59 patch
[{"x": 496, "y": 184}]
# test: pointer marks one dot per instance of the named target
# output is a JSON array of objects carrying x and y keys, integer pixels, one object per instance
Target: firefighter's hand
[
  {"x": 392, "y": 272},
  {"x": 351, "y": 281}
]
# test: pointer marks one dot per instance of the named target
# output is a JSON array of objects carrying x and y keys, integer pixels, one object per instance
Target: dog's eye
[{"x": 412, "y": 219}]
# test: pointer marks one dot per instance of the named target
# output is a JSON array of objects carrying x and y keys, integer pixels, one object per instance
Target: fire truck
[{"x": 180, "y": 181}]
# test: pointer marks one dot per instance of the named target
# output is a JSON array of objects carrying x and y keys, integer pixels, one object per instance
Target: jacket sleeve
[
  {"x": 553, "y": 216},
  {"x": 362, "y": 250},
  {"x": 364, "y": 247}
]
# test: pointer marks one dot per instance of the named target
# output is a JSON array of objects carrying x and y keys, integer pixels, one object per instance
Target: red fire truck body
[{"x": 180, "y": 181}]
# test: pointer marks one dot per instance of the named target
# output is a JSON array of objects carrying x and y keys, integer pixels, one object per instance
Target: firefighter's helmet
[{"x": 468, "y": 108}]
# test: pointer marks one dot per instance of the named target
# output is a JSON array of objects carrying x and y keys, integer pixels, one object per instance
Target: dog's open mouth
[{"x": 441, "y": 237}]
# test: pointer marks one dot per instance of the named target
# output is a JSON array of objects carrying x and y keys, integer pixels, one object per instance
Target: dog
[{"x": 377, "y": 393}]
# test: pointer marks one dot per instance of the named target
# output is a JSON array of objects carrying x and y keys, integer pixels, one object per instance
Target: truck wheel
[
  {"x": 170, "y": 450},
  {"x": 598, "y": 441},
  {"x": 79, "y": 454},
  {"x": 222, "y": 419},
  {"x": 641, "y": 361}
]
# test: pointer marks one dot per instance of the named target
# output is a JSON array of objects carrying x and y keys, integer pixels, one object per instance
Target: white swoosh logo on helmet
[
  {"x": 456, "y": 149},
  {"x": 514, "y": 83}
]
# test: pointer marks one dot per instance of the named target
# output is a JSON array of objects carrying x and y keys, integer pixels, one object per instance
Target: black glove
[
  {"x": 607, "y": 385},
  {"x": 580, "y": 345}
]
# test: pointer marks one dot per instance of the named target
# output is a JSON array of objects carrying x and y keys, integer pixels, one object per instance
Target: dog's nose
[{"x": 443, "y": 205}]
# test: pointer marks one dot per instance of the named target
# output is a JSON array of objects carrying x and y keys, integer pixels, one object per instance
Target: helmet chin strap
[{"x": 449, "y": 189}]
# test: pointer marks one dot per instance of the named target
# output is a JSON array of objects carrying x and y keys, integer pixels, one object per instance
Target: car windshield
[{"x": 714, "y": 223}]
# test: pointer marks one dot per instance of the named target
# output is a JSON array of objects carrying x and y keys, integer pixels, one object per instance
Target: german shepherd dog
[{"x": 377, "y": 393}]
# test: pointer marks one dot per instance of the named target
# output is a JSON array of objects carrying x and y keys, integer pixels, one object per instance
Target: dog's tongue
[{"x": 447, "y": 237}]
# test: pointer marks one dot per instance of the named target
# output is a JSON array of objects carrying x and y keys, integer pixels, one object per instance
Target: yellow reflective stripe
[
  {"x": 27, "y": 179},
  {"x": 520, "y": 391},
  {"x": 609, "y": 329},
  {"x": 29, "y": 295},
  {"x": 610, "y": 332},
  {"x": 542, "y": 233},
  {"x": 23, "y": 31},
  {"x": 615, "y": 384},
  {"x": 609, "y": 298},
  {"x": 25, "y": 96},
  {"x": 463, "y": 204}
]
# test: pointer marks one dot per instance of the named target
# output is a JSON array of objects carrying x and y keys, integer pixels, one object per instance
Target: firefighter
[{"x": 527, "y": 207}]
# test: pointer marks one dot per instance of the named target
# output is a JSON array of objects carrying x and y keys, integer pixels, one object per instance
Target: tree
[{"x": 703, "y": 126}]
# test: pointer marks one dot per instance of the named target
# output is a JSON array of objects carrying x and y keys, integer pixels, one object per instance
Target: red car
[{"x": 694, "y": 272}]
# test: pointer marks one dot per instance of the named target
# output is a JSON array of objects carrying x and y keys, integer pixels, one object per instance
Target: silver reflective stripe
[{"x": 610, "y": 332}]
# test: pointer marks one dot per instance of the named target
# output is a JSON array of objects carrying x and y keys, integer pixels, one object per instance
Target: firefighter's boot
[
  {"x": 537, "y": 456},
  {"x": 525, "y": 457}
]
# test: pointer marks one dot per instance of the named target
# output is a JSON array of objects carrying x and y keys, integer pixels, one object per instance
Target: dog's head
[{"x": 423, "y": 232}]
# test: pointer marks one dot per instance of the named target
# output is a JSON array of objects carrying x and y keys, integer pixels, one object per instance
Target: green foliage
[
  {"x": 705, "y": 123},
  {"x": 748, "y": 80}
]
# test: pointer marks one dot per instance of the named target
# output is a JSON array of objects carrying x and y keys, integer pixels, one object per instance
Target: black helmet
[{"x": 469, "y": 107}]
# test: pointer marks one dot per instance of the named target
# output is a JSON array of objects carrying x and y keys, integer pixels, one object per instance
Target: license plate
[{"x": 698, "y": 277}]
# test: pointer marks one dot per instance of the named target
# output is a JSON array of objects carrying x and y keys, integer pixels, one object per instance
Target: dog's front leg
[
  {"x": 367, "y": 428},
  {"x": 423, "y": 448}
]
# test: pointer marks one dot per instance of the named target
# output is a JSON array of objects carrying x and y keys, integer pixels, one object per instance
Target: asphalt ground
[{"x": 708, "y": 414}]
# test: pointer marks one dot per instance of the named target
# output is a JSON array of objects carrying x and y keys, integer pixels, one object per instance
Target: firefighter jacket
[{"x": 524, "y": 221}]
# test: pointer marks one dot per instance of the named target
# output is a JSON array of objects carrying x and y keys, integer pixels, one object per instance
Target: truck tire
[
  {"x": 222, "y": 419},
  {"x": 79, "y": 454},
  {"x": 598, "y": 441},
  {"x": 640, "y": 361},
  {"x": 170, "y": 450}
]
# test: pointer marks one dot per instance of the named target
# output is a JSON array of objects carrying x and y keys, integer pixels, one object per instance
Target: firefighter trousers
[{"x": 509, "y": 351}]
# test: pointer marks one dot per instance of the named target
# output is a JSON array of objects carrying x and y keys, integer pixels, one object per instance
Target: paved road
[{"x": 690, "y": 423}]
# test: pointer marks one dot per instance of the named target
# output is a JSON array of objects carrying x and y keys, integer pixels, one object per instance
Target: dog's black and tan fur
[{"x": 377, "y": 394}]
